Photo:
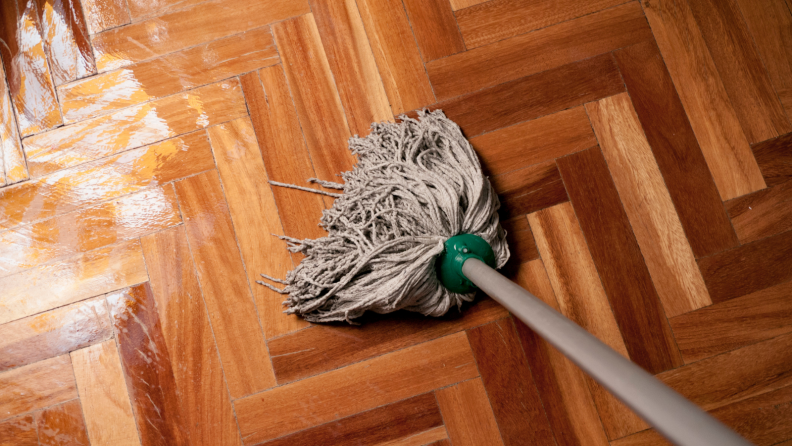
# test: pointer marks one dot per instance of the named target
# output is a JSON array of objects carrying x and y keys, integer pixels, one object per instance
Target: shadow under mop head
[{"x": 416, "y": 184}]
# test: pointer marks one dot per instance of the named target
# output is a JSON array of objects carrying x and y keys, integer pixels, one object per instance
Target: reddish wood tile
[
  {"x": 134, "y": 127},
  {"x": 358, "y": 387},
  {"x": 520, "y": 239},
  {"x": 436, "y": 436},
  {"x": 105, "y": 14},
  {"x": 676, "y": 150},
  {"x": 10, "y": 145},
  {"x": 36, "y": 386},
  {"x": 468, "y": 415},
  {"x": 621, "y": 266},
  {"x": 762, "y": 213},
  {"x": 383, "y": 425},
  {"x": 221, "y": 273},
  {"x": 435, "y": 28},
  {"x": 20, "y": 431},
  {"x": 459, "y": 4},
  {"x": 56, "y": 284},
  {"x": 530, "y": 189},
  {"x": 321, "y": 348},
  {"x": 167, "y": 75},
  {"x": 512, "y": 392},
  {"x": 397, "y": 55},
  {"x": 62, "y": 425},
  {"x": 539, "y": 51},
  {"x": 775, "y": 159},
  {"x": 66, "y": 40},
  {"x": 53, "y": 333},
  {"x": 749, "y": 268}
]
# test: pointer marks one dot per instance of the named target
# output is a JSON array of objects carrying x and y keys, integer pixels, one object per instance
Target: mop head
[{"x": 416, "y": 184}]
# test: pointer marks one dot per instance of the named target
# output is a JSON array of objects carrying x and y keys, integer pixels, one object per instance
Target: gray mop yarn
[{"x": 416, "y": 183}]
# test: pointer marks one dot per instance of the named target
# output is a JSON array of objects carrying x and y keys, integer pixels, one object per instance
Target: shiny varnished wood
[
  {"x": 62, "y": 425},
  {"x": 36, "y": 386},
  {"x": 105, "y": 14},
  {"x": 468, "y": 415},
  {"x": 19, "y": 431},
  {"x": 15, "y": 168},
  {"x": 66, "y": 40}
]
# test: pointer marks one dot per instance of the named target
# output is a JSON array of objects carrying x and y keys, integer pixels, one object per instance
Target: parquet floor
[{"x": 642, "y": 151}]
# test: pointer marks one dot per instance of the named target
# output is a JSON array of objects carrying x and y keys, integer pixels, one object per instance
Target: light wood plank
[
  {"x": 62, "y": 424},
  {"x": 10, "y": 145},
  {"x": 105, "y": 14},
  {"x": 468, "y": 415},
  {"x": 763, "y": 213},
  {"x": 141, "y": 9},
  {"x": 435, "y": 28},
  {"x": 36, "y": 386},
  {"x": 460, "y": 4},
  {"x": 66, "y": 40},
  {"x": 423, "y": 439}
]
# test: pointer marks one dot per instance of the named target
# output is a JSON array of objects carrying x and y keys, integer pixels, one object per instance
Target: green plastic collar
[{"x": 458, "y": 249}]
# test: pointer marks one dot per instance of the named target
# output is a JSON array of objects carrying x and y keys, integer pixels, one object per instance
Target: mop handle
[{"x": 676, "y": 418}]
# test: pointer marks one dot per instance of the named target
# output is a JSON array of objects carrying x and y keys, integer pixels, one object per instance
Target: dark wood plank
[
  {"x": 617, "y": 255},
  {"x": 435, "y": 28},
  {"x": 388, "y": 423},
  {"x": 19, "y": 431},
  {"x": 521, "y": 242},
  {"x": 511, "y": 389},
  {"x": 676, "y": 149},
  {"x": 466, "y": 402},
  {"x": 62, "y": 425},
  {"x": 66, "y": 40},
  {"x": 775, "y": 159},
  {"x": 529, "y": 190},
  {"x": 147, "y": 365},
  {"x": 763, "y": 213},
  {"x": 749, "y": 268}
]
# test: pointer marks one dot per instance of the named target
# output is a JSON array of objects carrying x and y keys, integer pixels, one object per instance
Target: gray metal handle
[{"x": 680, "y": 421}]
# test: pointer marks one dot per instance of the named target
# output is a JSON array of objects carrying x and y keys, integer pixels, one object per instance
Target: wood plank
[
  {"x": 103, "y": 396},
  {"x": 141, "y": 9},
  {"x": 315, "y": 95},
  {"x": 205, "y": 405},
  {"x": 648, "y": 205},
  {"x": 26, "y": 67},
  {"x": 255, "y": 218},
  {"x": 101, "y": 15},
  {"x": 321, "y": 348},
  {"x": 775, "y": 159},
  {"x": 763, "y": 213},
  {"x": 468, "y": 415},
  {"x": 435, "y": 28},
  {"x": 105, "y": 179},
  {"x": 704, "y": 97},
  {"x": 284, "y": 152},
  {"x": 521, "y": 241},
  {"x": 581, "y": 297},
  {"x": 193, "y": 26},
  {"x": 621, "y": 266},
  {"x": 770, "y": 24},
  {"x": 147, "y": 366},
  {"x": 562, "y": 386},
  {"x": 66, "y": 40},
  {"x": 529, "y": 190},
  {"x": 383, "y": 425},
  {"x": 358, "y": 387},
  {"x": 167, "y": 75},
  {"x": 741, "y": 70},
  {"x": 749, "y": 268},
  {"x": 35, "y": 386},
  {"x": 434, "y": 436},
  {"x": 56, "y": 284},
  {"x": 352, "y": 63},
  {"x": 535, "y": 141},
  {"x": 221, "y": 273},
  {"x": 397, "y": 54},
  {"x": 734, "y": 323},
  {"x": 676, "y": 149},
  {"x": 53, "y": 333},
  {"x": 134, "y": 127},
  {"x": 10, "y": 145},
  {"x": 62, "y": 424},
  {"x": 534, "y": 96},
  {"x": 512, "y": 392},
  {"x": 87, "y": 229},
  {"x": 535, "y": 52},
  {"x": 500, "y": 19},
  {"x": 459, "y": 4},
  {"x": 19, "y": 431}
]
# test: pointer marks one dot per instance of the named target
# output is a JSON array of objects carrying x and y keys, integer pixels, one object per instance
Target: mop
[{"x": 415, "y": 227}]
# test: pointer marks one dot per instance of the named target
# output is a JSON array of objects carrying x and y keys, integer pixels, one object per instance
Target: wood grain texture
[
  {"x": 11, "y": 152},
  {"x": 141, "y": 9},
  {"x": 521, "y": 241},
  {"x": 468, "y": 415},
  {"x": 437, "y": 437},
  {"x": 397, "y": 55},
  {"x": 19, "y": 431},
  {"x": 763, "y": 213},
  {"x": 62, "y": 425},
  {"x": 775, "y": 159},
  {"x": 35, "y": 386},
  {"x": 53, "y": 333},
  {"x": 535, "y": 52},
  {"x": 741, "y": 70},
  {"x": 435, "y": 28},
  {"x": 103, "y": 396},
  {"x": 748, "y": 268},
  {"x": 56, "y": 284},
  {"x": 147, "y": 366},
  {"x": 734, "y": 323},
  {"x": 511, "y": 389},
  {"x": 358, "y": 387},
  {"x": 704, "y": 97},
  {"x": 648, "y": 205},
  {"x": 66, "y": 40},
  {"x": 205, "y": 404},
  {"x": 321, "y": 348},
  {"x": 459, "y": 4},
  {"x": 104, "y": 14},
  {"x": 387, "y": 425},
  {"x": 529, "y": 190},
  {"x": 221, "y": 273},
  {"x": 318, "y": 103},
  {"x": 621, "y": 266},
  {"x": 676, "y": 149},
  {"x": 255, "y": 218},
  {"x": 352, "y": 63}
]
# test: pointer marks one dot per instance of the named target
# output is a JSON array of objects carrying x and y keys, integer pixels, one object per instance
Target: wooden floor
[{"x": 642, "y": 152}]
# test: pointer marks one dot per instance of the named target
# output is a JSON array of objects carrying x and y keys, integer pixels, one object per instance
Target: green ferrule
[{"x": 458, "y": 249}]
